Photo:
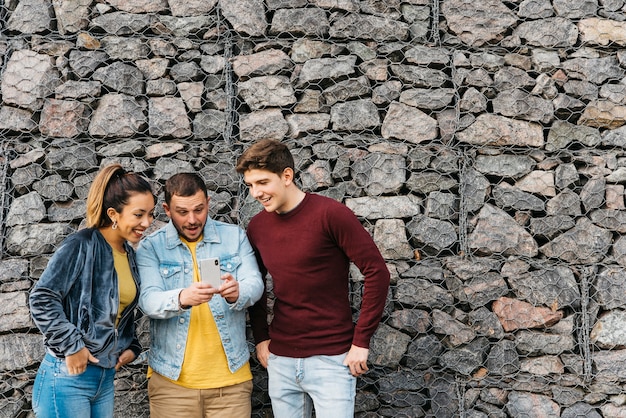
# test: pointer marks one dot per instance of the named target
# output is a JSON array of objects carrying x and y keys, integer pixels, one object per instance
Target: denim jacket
[
  {"x": 75, "y": 301},
  {"x": 166, "y": 268}
]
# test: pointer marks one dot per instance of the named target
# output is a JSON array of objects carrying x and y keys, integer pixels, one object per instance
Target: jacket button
[
  {"x": 182, "y": 320},
  {"x": 178, "y": 346},
  {"x": 165, "y": 271}
]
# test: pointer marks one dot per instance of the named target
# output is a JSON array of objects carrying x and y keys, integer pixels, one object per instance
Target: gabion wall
[{"x": 480, "y": 142}]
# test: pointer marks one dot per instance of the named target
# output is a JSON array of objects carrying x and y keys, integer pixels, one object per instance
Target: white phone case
[{"x": 210, "y": 272}]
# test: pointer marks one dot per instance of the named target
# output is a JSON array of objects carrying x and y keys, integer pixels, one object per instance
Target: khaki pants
[{"x": 168, "y": 400}]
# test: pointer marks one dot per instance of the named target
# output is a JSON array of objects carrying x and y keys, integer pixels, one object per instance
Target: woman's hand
[
  {"x": 125, "y": 358},
  {"x": 77, "y": 362}
]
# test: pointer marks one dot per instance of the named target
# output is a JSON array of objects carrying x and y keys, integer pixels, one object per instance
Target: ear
[
  {"x": 287, "y": 176},
  {"x": 111, "y": 213},
  {"x": 166, "y": 208}
]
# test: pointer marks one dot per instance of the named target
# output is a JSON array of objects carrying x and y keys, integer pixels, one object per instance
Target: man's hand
[
  {"x": 196, "y": 294},
  {"x": 356, "y": 360},
  {"x": 77, "y": 363},
  {"x": 126, "y": 357},
  {"x": 263, "y": 352},
  {"x": 230, "y": 288}
]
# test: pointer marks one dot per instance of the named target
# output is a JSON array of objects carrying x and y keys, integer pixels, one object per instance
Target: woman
[{"x": 85, "y": 300}]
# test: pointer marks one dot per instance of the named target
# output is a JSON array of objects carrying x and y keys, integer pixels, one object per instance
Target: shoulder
[
  {"x": 225, "y": 227},
  {"x": 329, "y": 205}
]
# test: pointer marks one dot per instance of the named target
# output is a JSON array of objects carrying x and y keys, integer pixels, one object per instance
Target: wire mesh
[{"x": 480, "y": 143}]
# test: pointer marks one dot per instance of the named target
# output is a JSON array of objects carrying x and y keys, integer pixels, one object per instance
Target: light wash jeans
[
  {"x": 57, "y": 394},
  {"x": 298, "y": 384}
]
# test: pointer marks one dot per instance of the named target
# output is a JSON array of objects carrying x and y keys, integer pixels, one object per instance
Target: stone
[
  {"x": 432, "y": 234},
  {"x": 387, "y": 346},
  {"x": 539, "y": 182},
  {"x": 360, "y": 26},
  {"x": 124, "y": 49},
  {"x": 63, "y": 118},
  {"x": 268, "y": 123},
  {"x": 497, "y": 130},
  {"x": 14, "y": 312},
  {"x": 531, "y": 404},
  {"x": 521, "y": 105},
  {"x": 534, "y": 343},
  {"x": 503, "y": 358},
  {"x": 497, "y": 233},
  {"x": 422, "y": 294},
  {"x": 267, "y": 91},
  {"x": 384, "y": 206},
  {"x": 31, "y": 16},
  {"x": 209, "y": 124},
  {"x": 456, "y": 333},
  {"x": 122, "y": 23},
  {"x": 585, "y": 243},
  {"x": 603, "y": 114},
  {"x": 609, "y": 331},
  {"x": 16, "y": 120},
  {"x": 477, "y": 24},
  {"x": 420, "y": 77},
  {"x": 511, "y": 197},
  {"x": 478, "y": 291},
  {"x": 31, "y": 240},
  {"x": 27, "y": 209},
  {"x": 552, "y": 32},
  {"x": 191, "y": 7},
  {"x": 610, "y": 366},
  {"x": 167, "y": 117},
  {"x": 266, "y": 62},
  {"x": 19, "y": 350},
  {"x": 247, "y": 16},
  {"x": 466, "y": 359},
  {"x": 300, "y": 22},
  {"x": 28, "y": 78},
  {"x": 316, "y": 70},
  {"x": 515, "y": 314},
  {"x": 390, "y": 238},
  {"x": 553, "y": 287},
  {"x": 408, "y": 123},
  {"x": 355, "y": 115},
  {"x": 139, "y": 6},
  {"x": 300, "y": 124}
]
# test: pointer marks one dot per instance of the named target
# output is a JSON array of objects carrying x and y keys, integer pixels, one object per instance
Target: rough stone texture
[{"x": 480, "y": 143}]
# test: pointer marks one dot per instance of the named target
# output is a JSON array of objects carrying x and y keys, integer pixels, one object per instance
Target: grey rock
[
  {"x": 346, "y": 90},
  {"x": 160, "y": 87},
  {"x": 300, "y": 124},
  {"x": 562, "y": 32},
  {"x": 573, "y": 9},
  {"x": 28, "y": 78},
  {"x": 581, "y": 89},
  {"x": 33, "y": 240},
  {"x": 27, "y": 209},
  {"x": 387, "y": 346},
  {"x": 122, "y": 48},
  {"x": 420, "y": 77},
  {"x": 191, "y": 7},
  {"x": 247, "y": 16},
  {"x": 421, "y": 293},
  {"x": 433, "y": 234},
  {"x": 594, "y": 70},
  {"x": 521, "y": 105},
  {"x": 360, "y": 26},
  {"x": 139, "y": 6},
  {"x": 412, "y": 321},
  {"x": 268, "y": 123},
  {"x": 485, "y": 323},
  {"x": 54, "y": 188},
  {"x": 440, "y": 205},
  {"x": 122, "y": 23},
  {"x": 186, "y": 72},
  {"x": 531, "y": 404},
  {"x": 428, "y": 182},
  {"x": 585, "y": 243},
  {"x": 510, "y": 197},
  {"x": 72, "y": 157},
  {"x": 506, "y": 165},
  {"x": 503, "y": 358},
  {"x": 184, "y": 26},
  {"x": 610, "y": 288},
  {"x": 427, "y": 99},
  {"x": 592, "y": 194},
  {"x": 64, "y": 212},
  {"x": 478, "y": 291},
  {"x": 78, "y": 90},
  {"x": 84, "y": 63},
  {"x": 408, "y": 123},
  {"x": 14, "y": 312},
  {"x": 300, "y": 22},
  {"x": 18, "y": 351},
  {"x": 553, "y": 287},
  {"x": 16, "y": 120},
  {"x": 455, "y": 332},
  {"x": 117, "y": 115},
  {"x": 565, "y": 203},
  {"x": 167, "y": 117},
  {"x": 31, "y": 16},
  {"x": 536, "y": 342},
  {"x": 315, "y": 70},
  {"x": 497, "y": 233},
  {"x": 209, "y": 124},
  {"x": 267, "y": 91},
  {"x": 535, "y": 9},
  {"x": 550, "y": 226},
  {"x": 512, "y": 78},
  {"x": 477, "y": 24},
  {"x": 390, "y": 237},
  {"x": 384, "y": 206},
  {"x": 609, "y": 330},
  {"x": 563, "y": 133},
  {"x": 165, "y": 168},
  {"x": 266, "y": 62},
  {"x": 466, "y": 359},
  {"x": 355, "y": 115},
  {"x": 580, "y": 409},
  {"x": 123, "y": 78},
  {"x": 610, "y": 365}
]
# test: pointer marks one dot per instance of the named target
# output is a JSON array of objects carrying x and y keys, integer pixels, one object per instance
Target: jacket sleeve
[
  {"x": 48, "y": 297},
  {"x": 248, "y": 275},
  {"x": 154, "y": 299}
]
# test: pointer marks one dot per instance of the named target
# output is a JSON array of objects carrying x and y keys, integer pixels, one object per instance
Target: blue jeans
[
  {"x": 298, "y": 384},
  {"x": 57, "y": 394}
]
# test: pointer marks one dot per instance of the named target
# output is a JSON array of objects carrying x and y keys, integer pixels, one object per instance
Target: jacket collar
[{"x": 209, "y": 234}]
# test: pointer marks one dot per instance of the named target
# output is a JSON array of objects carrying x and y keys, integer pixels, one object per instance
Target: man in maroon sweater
[{"x": 312, "y": 350}]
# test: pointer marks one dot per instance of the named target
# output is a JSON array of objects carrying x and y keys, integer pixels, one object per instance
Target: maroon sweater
[{"x": 307, "y": 252}]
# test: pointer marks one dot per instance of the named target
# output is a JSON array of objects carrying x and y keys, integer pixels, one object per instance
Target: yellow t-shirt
[
  {"x": 125, "y": 283},
  {"x": 205, "y": 365}
]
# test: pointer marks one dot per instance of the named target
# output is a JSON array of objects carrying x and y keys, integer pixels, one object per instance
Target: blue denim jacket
[
  {"x": 166, "y": 268},
  {"x": 75, "y": 301}
]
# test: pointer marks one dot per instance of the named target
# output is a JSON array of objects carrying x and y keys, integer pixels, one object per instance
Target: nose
[
  {"x": 255, "y": 192},
  {"x": 146, "y": 221}
]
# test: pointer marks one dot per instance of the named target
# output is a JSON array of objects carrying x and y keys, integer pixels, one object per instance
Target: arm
[
  {"x": 47, "y": 298},
  {"x": 248, "y": 287},
  {"x": 154, "y": 299},
  {"x": 360, "y": 248}
]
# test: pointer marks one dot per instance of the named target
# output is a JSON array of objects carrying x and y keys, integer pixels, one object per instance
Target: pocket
[
  {"x": 230, "y": 264},
  {"x": 170, "y": 271}
]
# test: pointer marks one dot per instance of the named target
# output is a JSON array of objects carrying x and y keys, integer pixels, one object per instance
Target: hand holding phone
[{"x": 210, "y": 272}]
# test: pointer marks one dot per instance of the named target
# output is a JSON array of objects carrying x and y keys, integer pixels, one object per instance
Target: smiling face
[
  {"x": 277, "y": 193},
  {"x": 188, "y": 214},
  {"x": 135, "y": 217}
]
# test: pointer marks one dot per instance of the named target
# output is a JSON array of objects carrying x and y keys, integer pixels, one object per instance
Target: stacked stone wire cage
[{"x": 481, "y": 143}]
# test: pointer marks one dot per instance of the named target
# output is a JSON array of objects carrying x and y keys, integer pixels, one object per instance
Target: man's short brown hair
[{"x": 266, "y": 154}]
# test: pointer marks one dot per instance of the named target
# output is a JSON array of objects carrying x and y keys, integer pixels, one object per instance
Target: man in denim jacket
[{"x": 198, "y": 353}]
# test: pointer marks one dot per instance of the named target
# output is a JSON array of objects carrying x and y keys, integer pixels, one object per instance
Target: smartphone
[{"x": 210, "y": 272}]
